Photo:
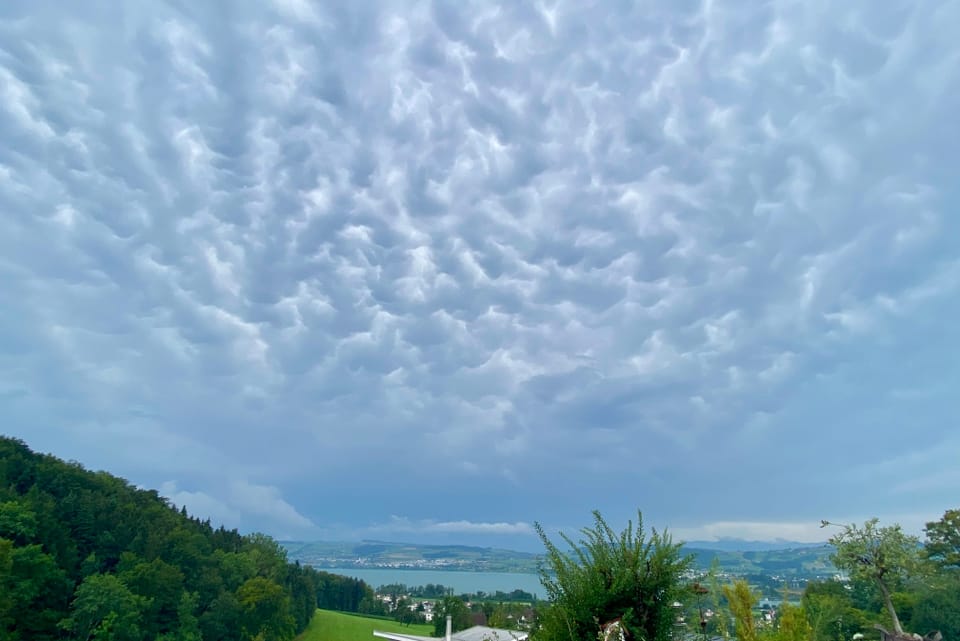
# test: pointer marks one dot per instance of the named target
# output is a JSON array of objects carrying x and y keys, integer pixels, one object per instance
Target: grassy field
[{"x": 340, "y": 626}]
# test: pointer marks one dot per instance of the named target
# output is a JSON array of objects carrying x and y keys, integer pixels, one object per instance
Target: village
[{"x": 497, "y": 610}]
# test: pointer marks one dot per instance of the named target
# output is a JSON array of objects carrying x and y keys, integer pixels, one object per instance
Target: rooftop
[{"x": 476, "y": 633}]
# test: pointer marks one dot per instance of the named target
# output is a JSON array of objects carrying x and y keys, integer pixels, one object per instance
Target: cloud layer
[{"x": 319, "y": 263}]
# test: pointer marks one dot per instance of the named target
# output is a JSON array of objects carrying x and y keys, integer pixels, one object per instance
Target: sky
[{"x": 435, "y": 271}]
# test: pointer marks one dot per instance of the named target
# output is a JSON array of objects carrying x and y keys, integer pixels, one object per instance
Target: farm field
[{"x": 341, "y": 626}]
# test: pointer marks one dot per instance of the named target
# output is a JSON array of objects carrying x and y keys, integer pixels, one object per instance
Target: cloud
[
  {"x": 797, "y": 531},
  {"x": 400, "y": 524},
  {"x": 757, "y": 531},
  {"x": 200, "y": 503},
  {"x": 355, "y": 254},
  {"x": 244, "y": 505}
]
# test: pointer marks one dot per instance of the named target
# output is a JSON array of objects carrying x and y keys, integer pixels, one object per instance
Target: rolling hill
[{"x": 807, "y": 561}]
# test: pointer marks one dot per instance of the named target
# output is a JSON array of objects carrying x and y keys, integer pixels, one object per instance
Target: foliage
[
  {"x": 456, "y": 608},
  {"x": 406, "y": 612},
  {"x": 792, "y": 623},
  {"x": 104, "y": 608},
  {"x": 36, "y": 592},
  {"x": 832, "y": 612},
  {"x": 883, "y": 556},
  {"x": 335, "y": 592},
  {"x": 17, "y": 522},
  {"x": 608, "y": 576},
  {"x": 86, "y": 555},
  {"x": 436, "y": 591},
  {"x": 717, "y": 625},
  {"x": 936, "y": 608},
  {"x": 188, "y": 626},
  {"x": 891, "y": 576},
  {"x": 508, "y": 616},
  {"x": 943, "y": 540},
  {"x": 742, "y": 600},
  {"x": 265, "y": 610}
]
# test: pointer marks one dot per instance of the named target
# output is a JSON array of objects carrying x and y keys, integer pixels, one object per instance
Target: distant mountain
[
  {"x": 801, "y": 562},
  {"x": 387, "y": 554},
  {"x": 743, "y": 545}
]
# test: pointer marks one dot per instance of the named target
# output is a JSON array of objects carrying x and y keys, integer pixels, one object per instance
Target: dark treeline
[
  {"x": 436, "y": 591},
  {"x": 85, "y": 555},
  {"x": 428, "y": 591}
]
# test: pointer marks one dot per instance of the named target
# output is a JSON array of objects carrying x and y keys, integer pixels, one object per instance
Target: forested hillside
[{"x": 85, "y": 555}]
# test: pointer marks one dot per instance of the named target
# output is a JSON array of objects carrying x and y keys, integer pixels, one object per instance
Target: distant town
[
  {"x": 406, "y": 556},
  {"x": 809, "y": 561},
  {"x": 770, "y": 571}
]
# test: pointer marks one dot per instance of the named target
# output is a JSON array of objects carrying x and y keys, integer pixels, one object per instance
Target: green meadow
[{"x": 341, "y": 626}]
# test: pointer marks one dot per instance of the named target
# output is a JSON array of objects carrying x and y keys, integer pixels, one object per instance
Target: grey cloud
[{"x": 426, "y": 234}]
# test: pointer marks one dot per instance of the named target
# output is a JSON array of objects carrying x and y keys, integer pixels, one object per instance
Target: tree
[
  {"x": 266, "y": 610},
  {"x": 934, "y": 605},
  {"x": 159, "y": 582},
  {"x": 188, "y": 626},
  {"x": 60, "y": 524},
  {"x": 456, "y": 608},
  {"x": 269, "y": 557},
  {"x": 104, "y": 608},
  {"x": 936, "y": 608},
  {"x": 608, "y": 577},
  {"x": 7, "y": 602},
  {"x": 792, "y": 623},
  {"x": 222, "y": 620},
  {"x": 17, "y": 523},
  {"x": 943, "y": 540},
  {"x": 831, "y": 611},
  {"x": 742, "y": 600},
  {"x": 39, "y": 591},
  {"x": 498, "y": 616},
  {"x": 882, "y": 556}
]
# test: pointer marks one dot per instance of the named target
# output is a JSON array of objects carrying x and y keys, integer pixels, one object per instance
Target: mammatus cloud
[{"x": 347, "y": 254}]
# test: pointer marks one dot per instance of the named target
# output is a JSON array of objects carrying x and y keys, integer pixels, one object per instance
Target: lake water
[{"x": 461, "y": 582}]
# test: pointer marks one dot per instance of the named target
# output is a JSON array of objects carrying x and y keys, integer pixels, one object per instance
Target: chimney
[{"x": 449, "y": 627}]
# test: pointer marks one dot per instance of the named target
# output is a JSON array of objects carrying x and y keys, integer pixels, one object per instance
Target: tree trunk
[{"x": 887, "y": 601}]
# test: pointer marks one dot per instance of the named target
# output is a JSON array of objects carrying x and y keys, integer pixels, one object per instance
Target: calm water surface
[{"x": 460, "y": 581}]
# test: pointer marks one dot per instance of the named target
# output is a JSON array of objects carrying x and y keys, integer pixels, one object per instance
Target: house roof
[
  {"x": 476, "y": 633},
  {"x": 484, "y": 633}
]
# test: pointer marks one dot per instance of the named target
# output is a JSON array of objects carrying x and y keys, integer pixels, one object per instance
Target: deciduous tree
[
  {"x": 882, "y": 556},
  {"x": 104, "y": 608},
  {"x": 456, "y": 608},
  {"x": 943, "y": 540},
  {"x": 266, "y": 610}
]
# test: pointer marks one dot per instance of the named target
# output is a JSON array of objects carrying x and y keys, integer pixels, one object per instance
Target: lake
[{"x": 461, "y": 582}]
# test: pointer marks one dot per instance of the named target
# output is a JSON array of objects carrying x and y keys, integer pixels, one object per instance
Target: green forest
[{"x": 85, "y": 555}]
